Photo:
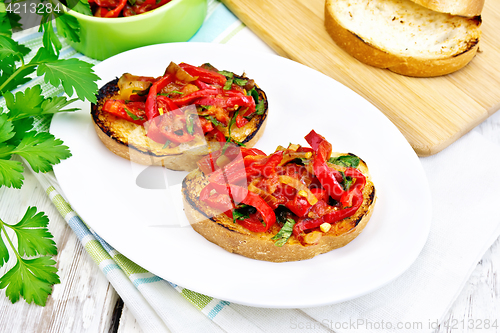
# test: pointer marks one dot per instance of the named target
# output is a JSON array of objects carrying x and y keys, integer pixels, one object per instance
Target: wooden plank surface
[
  {"x": 430, "y": 112},
  {"x": 84, "y": 301}
]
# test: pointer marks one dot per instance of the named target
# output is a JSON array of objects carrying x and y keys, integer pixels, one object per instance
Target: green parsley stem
[
  {"x": 19, "y": 70},
  {"x": 2, "y": 225}
]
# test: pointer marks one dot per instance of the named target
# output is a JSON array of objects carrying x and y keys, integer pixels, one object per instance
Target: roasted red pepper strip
[
  {"x": 265, "y": 211},
  {"x": 116, "y": 11},
  {"x": 328, "y": 177},
  {"x": 306, "y": 223},
  {"x": 189, "y": 98},
  {"x": 240, "y": 121},
  {"x": 204, "y": 75},
  {"x": 156, "y": 87},
  {"x": 233, "y": 173},
  {"x": 119, "y": 108},
  {"x": 298, "y": 205},
  {"x": 264, "y": 167}
]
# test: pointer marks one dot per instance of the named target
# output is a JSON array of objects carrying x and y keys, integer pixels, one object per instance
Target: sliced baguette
[
  {"x": 403, "y": 36},
  {"x": 129, "y": 140},
  {"x": 221, "y": 230}
]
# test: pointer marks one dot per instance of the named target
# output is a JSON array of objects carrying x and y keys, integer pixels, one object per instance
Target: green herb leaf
[
  {"x": 72, "y": 74},
  {"x": 166, "y": 144},
  {"x": 133, "y": 116},
  {"x": 243, "y": 212},
  {"x": 190, "y": 123},
  {"x": 213, "y": 120},
  {"x": 240, "y": 82},
  {"x": 33, "y": 236},
  {"x": 348, "y": 161},
  {"x": 11, "y": 172},
  {"x": 80, "y": 6},
  {"x": 9, "y": 47},
  {"x": 31, "y": 279},
  {"x": 285, "y": 232},
  {"x": 41, "y": 150},
  {"x": 24, "y": 104},
  {"x": 53, "y": 105},
  {"x": 68, "y": 27},
  {"x": 4, "y": 253},
  {"x": 5, "y": 26},
  {"x": 6, "y": 128},
  {"x": 49, "y": 39}
]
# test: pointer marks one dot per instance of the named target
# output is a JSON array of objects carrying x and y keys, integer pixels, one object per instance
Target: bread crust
[
  {"x": 129, "y": 140},
  {"x": 217, "y": 228},
  {"x": 466, "y": 8},
  {"x": 372, "y": 55}
]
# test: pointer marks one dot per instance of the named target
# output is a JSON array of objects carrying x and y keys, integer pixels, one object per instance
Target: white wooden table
[{"x": 85, "y": 302}]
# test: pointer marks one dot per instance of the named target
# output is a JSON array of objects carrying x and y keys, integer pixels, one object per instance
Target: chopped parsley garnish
[
  {"x": 348, "y": 161},
  {"x": 133, "y": 116},
  {"x": 285, "y": 232},
  {"x": 243, "y": 212}
]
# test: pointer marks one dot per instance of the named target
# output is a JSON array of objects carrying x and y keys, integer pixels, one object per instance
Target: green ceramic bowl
[{"x": 176, "y": 21}]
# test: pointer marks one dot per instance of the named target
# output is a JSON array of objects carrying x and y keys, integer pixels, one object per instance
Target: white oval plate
[{"x": 149, "y": 227}]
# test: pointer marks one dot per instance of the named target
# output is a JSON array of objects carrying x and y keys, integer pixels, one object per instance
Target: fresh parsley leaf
[
  {"x": 24, "y": 104},
  {"x": 33, "y": 236},
  {"x": 4, "y": 253},
  {"x": 68, "y": 27},
  {"x": 41, "y": 150},
  {"x": 11, "y": 172},
  {"x": 9, "y": 47},
  {"x": 348, "y": 161},
  {"x": 12, "y": 77},
  {"x": 72, "y": 74},
  {"x": 5, "y": 26},
  {"x": 49, "y": 39},
  {"x": 53, "y": 105},
  {"x": 21, "y": 127},
  {"x": 6, "y": 128},
  {"x": 30, "y": 278},
  {"x": 80, "y": 6},
  {"x": 285, "y": 232}
]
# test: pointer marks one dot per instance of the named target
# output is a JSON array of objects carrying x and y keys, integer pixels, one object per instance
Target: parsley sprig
[{"x": 34, "y": 271}]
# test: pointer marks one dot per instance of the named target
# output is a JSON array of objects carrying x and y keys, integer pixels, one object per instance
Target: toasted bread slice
[
  {"x": 221, "y": 230},
  {"x": 129, "y": 140},
  {"x": 403, "y": 36}
]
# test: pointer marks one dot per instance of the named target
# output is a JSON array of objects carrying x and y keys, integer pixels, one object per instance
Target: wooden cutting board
[{"x": 430, "y": 112}]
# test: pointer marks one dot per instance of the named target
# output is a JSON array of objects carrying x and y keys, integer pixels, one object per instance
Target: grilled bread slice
[
  {"x": 404, "y": 36},
  {"x": 129, "y": 140},
  {"x": 219, "y": 229}
]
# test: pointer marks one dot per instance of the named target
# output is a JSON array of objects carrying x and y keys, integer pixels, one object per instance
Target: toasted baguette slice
[
  {"x": 466, "y": 8},
  {"x": 129, "y": 140},
  {"x": 403, "y": 36},
  {"x": 220, "y": 229}
]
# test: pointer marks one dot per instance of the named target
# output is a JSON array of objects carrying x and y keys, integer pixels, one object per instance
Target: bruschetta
[
  {"x": 291, "y": 205},
  {"x": 175, "y": 119}
]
